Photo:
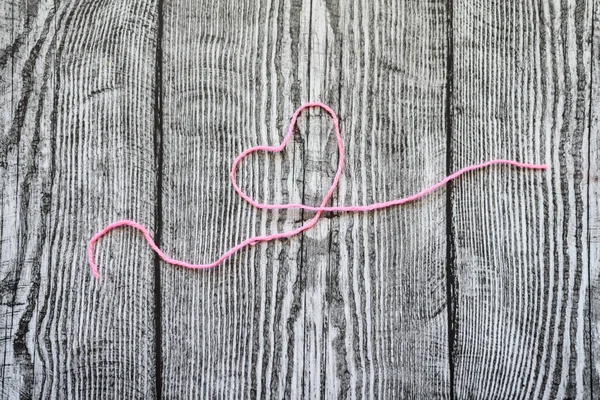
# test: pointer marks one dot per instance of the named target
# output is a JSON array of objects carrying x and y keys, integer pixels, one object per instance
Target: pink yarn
[{"x": 318, "y": 210}]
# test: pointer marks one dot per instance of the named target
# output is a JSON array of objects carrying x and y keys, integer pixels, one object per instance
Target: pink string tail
[{"x": 317, "y": 209}]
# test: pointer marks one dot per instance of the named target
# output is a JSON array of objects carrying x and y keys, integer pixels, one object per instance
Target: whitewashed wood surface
[{"x": 487, "y": 289}]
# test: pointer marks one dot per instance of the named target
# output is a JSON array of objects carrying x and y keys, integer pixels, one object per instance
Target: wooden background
[{"x": 487, "y": 289}]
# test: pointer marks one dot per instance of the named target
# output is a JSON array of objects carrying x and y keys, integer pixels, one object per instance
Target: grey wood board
[
  {"x": 520, "y": 267},
  {"x": 76, "y": 152},
  {"x": 356, "y": 306}
]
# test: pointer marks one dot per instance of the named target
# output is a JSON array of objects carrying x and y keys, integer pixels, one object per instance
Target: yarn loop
[{"x": 319, "y": 210}]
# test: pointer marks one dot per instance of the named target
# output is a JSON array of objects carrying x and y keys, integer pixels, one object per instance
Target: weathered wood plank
[
  {"x": 521, "y": 91},
  {"x": 356, "y": 307},
  {"x": 384, "y": 288},
  {"x": 593, "y": 181},
  {"x": 76, "y": 152},
  {"x": 231, "y": 81}
]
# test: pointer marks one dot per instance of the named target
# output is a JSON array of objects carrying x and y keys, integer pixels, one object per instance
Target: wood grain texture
[
  {"x": 593, "y": 181},
  {"x": 521, "y": 91},
  {"x": 135, "y": 109},
  {"x": 356, "y": 307},
  {"x": 76, "y": 151}
]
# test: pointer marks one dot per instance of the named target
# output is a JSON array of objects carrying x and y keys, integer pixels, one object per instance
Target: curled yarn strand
[{"x": 319, "y": 210}]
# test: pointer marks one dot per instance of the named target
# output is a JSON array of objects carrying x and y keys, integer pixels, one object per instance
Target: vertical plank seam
[
  {"x": 3, "y": 368},
  {"x": 450, "y": 250},
  {"x": 158, "y": 154},
  {"x": 589, "y": 229},
  {"x": 303, "y": 195}
]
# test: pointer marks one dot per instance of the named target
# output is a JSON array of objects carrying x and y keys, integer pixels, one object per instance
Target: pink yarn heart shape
[{"x": 318, "y": 210}]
